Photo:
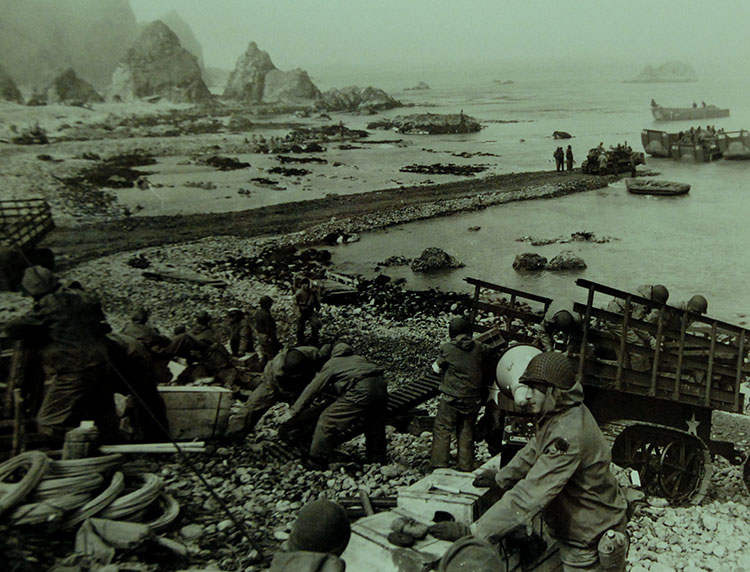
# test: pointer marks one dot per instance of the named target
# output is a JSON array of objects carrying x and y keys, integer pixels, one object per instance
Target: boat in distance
[
  {"x": 658, "y": 187},
  {"x": 702, "y": 111}
]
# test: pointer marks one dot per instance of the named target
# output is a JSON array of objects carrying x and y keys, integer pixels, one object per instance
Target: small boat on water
[
  {"x": 686, "y": 113},
  {"x": 643, "y": 186}
]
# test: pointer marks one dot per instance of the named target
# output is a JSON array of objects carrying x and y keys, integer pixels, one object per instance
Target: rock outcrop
[
  {"x": 39, "y": 37},
  {"x": 354, "y": 98},
  {"x": 529, "y": 261},
  {"x": 157, "y": 65},
  {"x": 429, "y": 123},
  {"x": 185, "y": 34},
  {"x": 670, "y": 72},
  {"x": 566, "y": 260},
  {"x": 434, "y": 258},
  {"x": 421, "y": 86},
  {"x": 256, "y": 79},
  {"x": 8, "y": 89},
  {"x": 66, "y": 88}
]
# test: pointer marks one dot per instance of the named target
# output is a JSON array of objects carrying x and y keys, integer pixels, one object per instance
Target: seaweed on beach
[{"x": 444, "y": 169}]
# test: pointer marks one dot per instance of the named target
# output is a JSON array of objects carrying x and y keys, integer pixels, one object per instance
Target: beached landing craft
[
  {"x": 664, "y": 145},
  {"x": 734, "y": 145},
  {"x": 640, "y": 186},
  {"x": 686, "y": 113},
  {"x": 655, "y": 405}
]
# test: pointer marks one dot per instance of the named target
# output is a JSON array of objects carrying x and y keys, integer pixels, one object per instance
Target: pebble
[{"x": 191, "y": 531}]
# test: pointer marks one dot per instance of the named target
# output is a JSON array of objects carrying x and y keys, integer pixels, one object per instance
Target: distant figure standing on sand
[
  {"x": 559, "y": 156},
  {"x": 569, "y": 158}
]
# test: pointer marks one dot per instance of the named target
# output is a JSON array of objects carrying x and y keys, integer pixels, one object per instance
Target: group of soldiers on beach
[{"x": 562, "y": 472}]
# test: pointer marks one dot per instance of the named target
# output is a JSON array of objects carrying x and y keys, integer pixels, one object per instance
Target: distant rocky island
[
  {"x": 421, "y": 86},
  {"x": 670, "y": 72},
  {"x": 429, "y": 124}
]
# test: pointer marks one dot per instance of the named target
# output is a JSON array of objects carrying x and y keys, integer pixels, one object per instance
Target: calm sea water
[{"x": 693, "y": 244}]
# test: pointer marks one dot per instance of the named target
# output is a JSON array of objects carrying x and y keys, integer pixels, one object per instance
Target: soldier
[
  {"x": 362, "y": 394},
  {"x": 462, "y": 362},
  {"x": 240, "y": 332},
  {"x": 308, "y": 305},
  {"x": 560, "y": 317},
  {"x": 284, "y": 379},
  {"x": 265, "y": 331},
  {"x": 69, "y": 330},
  {"x": 318, "y": 538},
  {"x": 562, "y": 472},
  {"x": 569, "y": 157}
]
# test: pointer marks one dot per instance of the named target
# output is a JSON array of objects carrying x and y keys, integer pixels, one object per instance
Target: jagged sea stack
[
  {"x": 157, "y": 65},
  {"x": 256, "y": 79},
  {"x": 66, "y": 88}
]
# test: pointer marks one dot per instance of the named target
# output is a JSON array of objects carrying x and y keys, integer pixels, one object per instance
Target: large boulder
[
  {"x": 529, "y": 261},
  {"x": 66, "y": 88},
  {"x": 255, "y": 79},
  {"x": 8, "y": 89},
  {"x": 566, "y": 260},
  {"x": 669, "y": 72},
  {"x": 433, "y": 258},
  {"x": 429, "y": 123},
  {"x": 157, "y": 65},
  {"x": 354, "y": 98}
]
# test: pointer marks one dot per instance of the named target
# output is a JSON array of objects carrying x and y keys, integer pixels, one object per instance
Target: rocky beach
[
  {"x": 259, "y": 251},
  {"x": 180, "y": 195}
]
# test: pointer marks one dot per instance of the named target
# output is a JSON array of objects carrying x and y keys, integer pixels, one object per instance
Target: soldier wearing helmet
[
  {"x": 284, "y": 378},
  {"x": 67, "y": 330},
  {"x": 560, "y": 317},
  {"x": 658, "y": 295},
  {"x": 562, "y": 472}
]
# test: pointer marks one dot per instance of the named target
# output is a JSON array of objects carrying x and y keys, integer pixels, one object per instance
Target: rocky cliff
[
  {"x": 353, "y": 98},
  {"x": 66, "y": 88},
  {"x": 38, "y": 37},
  {"x": 256, "y": 79},
  {"x": 185, "y": 34},
  {"x": 666, "y": 73},
  {"x": 8, "y": 89},
  {"x": 157, "y": 65}
]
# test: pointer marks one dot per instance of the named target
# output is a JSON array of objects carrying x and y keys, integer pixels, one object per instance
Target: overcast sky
[{"x": 314, "y": 33}]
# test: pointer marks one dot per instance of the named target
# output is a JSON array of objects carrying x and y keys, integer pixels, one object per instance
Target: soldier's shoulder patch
[{"x": 558, "y": 446}]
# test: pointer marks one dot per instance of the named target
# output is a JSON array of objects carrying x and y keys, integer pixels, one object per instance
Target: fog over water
[{"x": 318, "y": 35}]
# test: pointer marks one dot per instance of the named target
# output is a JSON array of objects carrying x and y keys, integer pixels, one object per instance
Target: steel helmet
[
  {"x": 458, "y": 326},
  {"x": 550, "y": 368},
  {"x": 471, "y": 553},
  {"x": 563, "y": 320},
  {"x": 321, "y": 526},
  {"x": 295, "y": 363},
  {"x": 265, "y": 302},
  {"x": 698, "y": 304},
  {"x": 38, "y": 281},
  {"x": 659, "y": 293}
]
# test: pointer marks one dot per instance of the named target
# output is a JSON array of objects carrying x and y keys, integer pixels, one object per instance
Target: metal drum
[{"x": 511, "y": 365}]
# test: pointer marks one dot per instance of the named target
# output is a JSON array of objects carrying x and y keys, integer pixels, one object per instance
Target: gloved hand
[
  {"x": 485, "y": 479},
  {"x": 451, "y": 531}
]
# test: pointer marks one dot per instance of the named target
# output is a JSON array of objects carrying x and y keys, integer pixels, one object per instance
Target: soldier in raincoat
[{"x": 562, "y": 472}]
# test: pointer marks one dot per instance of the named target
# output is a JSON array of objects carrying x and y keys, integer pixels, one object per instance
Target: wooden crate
[{"x": 196, "y": 412}]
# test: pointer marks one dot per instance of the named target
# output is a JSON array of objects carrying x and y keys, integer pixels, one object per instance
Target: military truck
[
  {"x": 620, "y": 159},
  {"x": 658, "y": 417}
]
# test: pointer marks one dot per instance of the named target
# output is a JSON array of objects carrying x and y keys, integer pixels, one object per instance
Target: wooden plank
[{"x": 512, "y": 291}]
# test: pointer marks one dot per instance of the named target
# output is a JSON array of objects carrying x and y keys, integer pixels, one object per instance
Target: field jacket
[
  {"x": 462, "y": 362},
  {"x": 562, "y": 472}
]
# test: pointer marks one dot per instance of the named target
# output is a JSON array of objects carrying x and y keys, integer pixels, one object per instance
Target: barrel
[{"x": 511, "y": 365}]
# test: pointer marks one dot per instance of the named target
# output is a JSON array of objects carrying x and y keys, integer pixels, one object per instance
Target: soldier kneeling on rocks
[{"x": 319, "y": 537}]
